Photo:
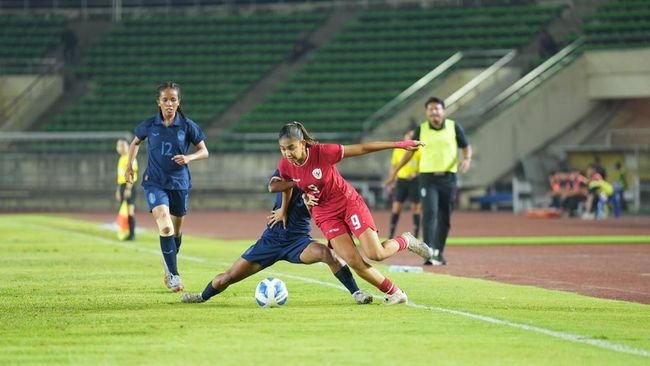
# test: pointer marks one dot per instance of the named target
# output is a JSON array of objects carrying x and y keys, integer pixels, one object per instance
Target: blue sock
[
  {"x": 209, "y": 291},
  {"x": 345, "y": 276},
  {"x": 168, "y": 248},
  {"x": 179, "y": 241}
]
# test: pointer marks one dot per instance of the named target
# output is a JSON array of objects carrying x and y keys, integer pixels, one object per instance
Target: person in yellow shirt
[
  {"x": 405, "y": 188},
  {"x": 125, "y": 191}
]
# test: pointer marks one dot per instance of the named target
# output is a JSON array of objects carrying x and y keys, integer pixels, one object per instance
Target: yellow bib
[{"x": 440, "y": 153}]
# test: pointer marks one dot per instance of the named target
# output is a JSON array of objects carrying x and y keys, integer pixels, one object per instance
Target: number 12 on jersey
[{"x": 166, "y": 149}]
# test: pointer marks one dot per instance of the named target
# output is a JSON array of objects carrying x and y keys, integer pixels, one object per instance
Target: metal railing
[
  {"x": 531, "y": 80},
  {"x": 390, "y": 107},
  {"x": 43, "y": 67},
  {"x": 453, "y": 101}
]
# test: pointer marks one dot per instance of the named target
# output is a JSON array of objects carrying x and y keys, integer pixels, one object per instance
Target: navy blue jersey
[
  {"x": 298, "y": 217},
  {"x": 165, "y": 142}
]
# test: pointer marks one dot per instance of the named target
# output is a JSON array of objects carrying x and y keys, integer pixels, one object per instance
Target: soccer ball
[{"x": 271, "y": 292}]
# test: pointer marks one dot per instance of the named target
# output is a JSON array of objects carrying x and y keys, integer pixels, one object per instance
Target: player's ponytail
[{"x": 295, "y": 130}]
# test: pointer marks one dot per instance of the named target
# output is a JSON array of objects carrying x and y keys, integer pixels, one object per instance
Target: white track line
[{"x": 610, "y": 346}]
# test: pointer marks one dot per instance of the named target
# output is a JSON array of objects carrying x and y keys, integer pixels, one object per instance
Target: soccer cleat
[
  {"x": 362, "y": 297},
  {"x": 418, "y": 246},
  {"x": 175, "y": 283},
  {"x": 192, "y": 298},
  {"x": 397, "y": 298},
  {"x": 167, "y": 273}
]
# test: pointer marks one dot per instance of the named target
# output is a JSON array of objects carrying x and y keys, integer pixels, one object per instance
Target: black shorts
[
  {"x": 407, "y": 189},
  {"x": 130, "y": 200}
]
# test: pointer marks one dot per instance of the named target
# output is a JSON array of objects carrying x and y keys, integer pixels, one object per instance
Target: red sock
[
  {"x": 388, "y": 287},
  {"x": 403, "y": 243}
]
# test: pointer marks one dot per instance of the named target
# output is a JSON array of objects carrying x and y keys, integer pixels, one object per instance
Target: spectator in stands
[
  {"x": 547, "y": 45},
  {"x": 406, "y": 188},
  {"x": 574, "y": 192},
  {"x": 598, "y": 167},
  {"x": 621, "y": 184},
  {"x": 69, "y": 40},
  {"x": 599, "y": 193},
  {"x": 555, "y": 193},
  {"x": 300, "y": 47},
  {"x": 125, "y": 191},
  {"x": 167, "y": 180},
  {"x": 439, "y": 163}
]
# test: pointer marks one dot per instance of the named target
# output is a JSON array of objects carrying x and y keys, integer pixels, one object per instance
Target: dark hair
[
  {"x": 434, "y": 100},
  {"x": 295, "y": 130},
  {"x": 170, "y": 85}
]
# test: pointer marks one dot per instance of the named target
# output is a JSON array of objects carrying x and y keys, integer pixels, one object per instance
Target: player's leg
[
  {"x": 179, "y": 201},
  {"x": 344, "y": 247},
  {"x": 178, "y": 233},
  {"x": 167, "y": 247},
  {"x": 316, "y": 252},
  {"x": 239, "y": 270},
  {"x": 360, "y": 222}
]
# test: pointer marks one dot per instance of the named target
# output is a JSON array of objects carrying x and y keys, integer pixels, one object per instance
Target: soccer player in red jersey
[{"x": 339, "y": 210}]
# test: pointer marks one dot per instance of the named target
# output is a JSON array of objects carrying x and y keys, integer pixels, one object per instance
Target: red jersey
[{"x": 319, "y": 176}]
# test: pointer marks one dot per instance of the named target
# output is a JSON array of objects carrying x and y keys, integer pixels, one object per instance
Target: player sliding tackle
[
  {"x": 340, "y": 210},
  {"x": 290, "y": 241}
]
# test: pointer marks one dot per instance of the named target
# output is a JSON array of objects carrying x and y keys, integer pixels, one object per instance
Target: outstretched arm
[
  {"x": 133, "y": 152},
  {"x": 370, "y": 147},
  {"x": 395, "y": 168}
]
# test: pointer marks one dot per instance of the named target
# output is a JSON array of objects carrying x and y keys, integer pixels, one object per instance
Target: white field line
[{"x": 610, "y": 346}]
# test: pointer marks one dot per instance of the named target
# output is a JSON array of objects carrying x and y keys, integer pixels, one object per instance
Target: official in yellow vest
[
  {"x": 125, "y": 191},
  {"x": 406, "y": 187},
  {"x": 439, "y": 164}
]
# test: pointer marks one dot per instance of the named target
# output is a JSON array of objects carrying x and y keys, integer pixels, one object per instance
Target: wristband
[{"x": 405, "y": 144}]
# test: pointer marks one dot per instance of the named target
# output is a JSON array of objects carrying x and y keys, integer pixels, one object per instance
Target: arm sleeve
[
  {"x": 196, "y": 134},
  {"x": 275, "y": 176},
  {"x": 141, "y": 131},
  {"x": 461, "y": 138},
  {"x": 330, "y": 153}
]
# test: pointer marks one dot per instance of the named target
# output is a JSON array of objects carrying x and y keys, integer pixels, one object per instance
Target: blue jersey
[
  {"x": 165, "y": 142},
  {"x": 298, "y": 217}
]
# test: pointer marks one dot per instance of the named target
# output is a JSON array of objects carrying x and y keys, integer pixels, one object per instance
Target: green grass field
[{"x": 72, "y": 294}]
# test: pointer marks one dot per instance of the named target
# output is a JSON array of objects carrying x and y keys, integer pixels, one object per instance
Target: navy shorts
[
  {"x": 269, "y": 250},
  {"x": 176, "y": 200}
]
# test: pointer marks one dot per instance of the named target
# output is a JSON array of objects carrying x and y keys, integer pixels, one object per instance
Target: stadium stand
[
  {"x": 380, "y": 55},
  {"x": 619, "y": 24},
  {"x": 215, "y": 59},
  {"x": 23, "y": 38}
]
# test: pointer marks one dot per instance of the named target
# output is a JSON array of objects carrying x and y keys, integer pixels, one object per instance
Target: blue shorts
[
  {"x": 269, "y": 250},
  {"x": 176, "y": 200}
]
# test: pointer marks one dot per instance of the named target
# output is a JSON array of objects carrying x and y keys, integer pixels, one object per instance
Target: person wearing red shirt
[{"x": 338, "y": 210}]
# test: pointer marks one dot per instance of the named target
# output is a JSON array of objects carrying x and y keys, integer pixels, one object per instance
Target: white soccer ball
[{"x": 271, "y": 292}]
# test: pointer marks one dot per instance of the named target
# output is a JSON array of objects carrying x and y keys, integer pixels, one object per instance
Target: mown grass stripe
[{"x": 603, "y": 344}]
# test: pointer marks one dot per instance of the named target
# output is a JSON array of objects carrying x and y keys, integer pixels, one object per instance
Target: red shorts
[{"x": 353, "y": 218}]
